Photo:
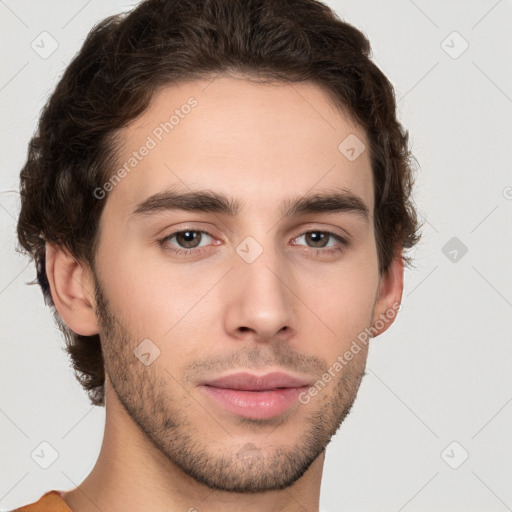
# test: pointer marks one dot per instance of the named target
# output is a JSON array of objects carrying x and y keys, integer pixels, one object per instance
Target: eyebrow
[{"x": 215, "y": 202}]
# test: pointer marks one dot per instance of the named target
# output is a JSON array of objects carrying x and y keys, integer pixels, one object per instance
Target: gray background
[{"x": 440, "y": 375}]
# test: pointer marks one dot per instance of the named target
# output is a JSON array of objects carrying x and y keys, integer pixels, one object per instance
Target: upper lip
[{"x": 250, "y": 382}]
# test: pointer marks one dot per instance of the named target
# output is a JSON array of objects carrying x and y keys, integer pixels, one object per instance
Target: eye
[
  {"x": 193, "y": 242},
  {"x": 325, "y": 242},
  {"x": 320, "y": 239},
  {"x": 185, "y": 241}
]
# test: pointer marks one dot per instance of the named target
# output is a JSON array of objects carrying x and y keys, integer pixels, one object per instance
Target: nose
[{"x": 261, "y": 303}]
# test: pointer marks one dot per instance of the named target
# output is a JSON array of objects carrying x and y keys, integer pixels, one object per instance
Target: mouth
[{"x": 255, "y": 396}]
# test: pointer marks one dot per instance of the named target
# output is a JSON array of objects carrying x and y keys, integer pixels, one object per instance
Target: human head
[{"x": 127, "y": 60}]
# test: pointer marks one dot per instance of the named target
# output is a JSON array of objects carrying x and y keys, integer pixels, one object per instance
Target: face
[{"x": 227, "y": 286}]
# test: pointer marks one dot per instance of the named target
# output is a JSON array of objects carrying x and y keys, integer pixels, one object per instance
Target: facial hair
[{"x": 160, "y": 405}]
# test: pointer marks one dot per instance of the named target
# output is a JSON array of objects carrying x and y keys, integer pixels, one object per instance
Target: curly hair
[{"x": 126, "y": 58}]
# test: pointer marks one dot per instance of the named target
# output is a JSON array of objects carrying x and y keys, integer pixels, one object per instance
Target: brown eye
[
  {"x": 188, "y": 239},
  {"x": 323, "y": 243},
  {"x": 320, "y": 239},
  {"x": 317, "y": 238}
]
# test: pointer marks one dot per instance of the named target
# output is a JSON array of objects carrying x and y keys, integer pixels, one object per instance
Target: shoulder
[{"x": 51, "y": 501}]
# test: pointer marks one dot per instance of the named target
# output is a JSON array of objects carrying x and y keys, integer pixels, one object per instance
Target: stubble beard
[{"x": 149, "y": 396}]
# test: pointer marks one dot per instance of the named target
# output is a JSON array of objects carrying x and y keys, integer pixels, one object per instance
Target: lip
[{"x": 255, "y": 396}]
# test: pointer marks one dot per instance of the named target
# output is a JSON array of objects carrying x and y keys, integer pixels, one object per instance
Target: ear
[
  {"x": 389, "y": 296},
  {"x": 72, "y": 290}
]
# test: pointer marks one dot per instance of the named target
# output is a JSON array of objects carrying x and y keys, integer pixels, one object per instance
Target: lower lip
[{"x": 258, "y": 405}]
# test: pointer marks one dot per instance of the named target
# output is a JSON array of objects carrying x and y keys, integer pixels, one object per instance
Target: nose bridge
[
  {"x": 261, "y": 298},
  {"x": 259, "y": 267}
]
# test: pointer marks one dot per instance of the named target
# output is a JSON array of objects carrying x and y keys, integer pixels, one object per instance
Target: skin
[{"x": 167, "y": 445}]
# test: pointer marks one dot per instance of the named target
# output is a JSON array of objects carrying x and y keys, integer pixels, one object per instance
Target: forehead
[{"x": 263, "y": 142}]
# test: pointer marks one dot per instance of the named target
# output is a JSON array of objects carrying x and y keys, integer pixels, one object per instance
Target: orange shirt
[{"x": 48, "y": 502}]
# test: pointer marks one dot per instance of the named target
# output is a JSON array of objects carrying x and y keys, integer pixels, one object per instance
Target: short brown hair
[{"x": 123, "y": 62}]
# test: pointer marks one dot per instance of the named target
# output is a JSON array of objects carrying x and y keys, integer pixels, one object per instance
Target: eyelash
[{"x": 344, "y": 243}]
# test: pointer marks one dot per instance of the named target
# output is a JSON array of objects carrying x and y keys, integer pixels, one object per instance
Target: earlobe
[
  {"x": 389, "y": 296},
  {"x": 71, "y": 290}
]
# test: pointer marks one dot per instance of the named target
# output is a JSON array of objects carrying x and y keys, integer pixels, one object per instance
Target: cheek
[
  {"x": 140, "y": 295},
  {"x": 343, "y": 302},
  {"x": 162, "y": 302}
]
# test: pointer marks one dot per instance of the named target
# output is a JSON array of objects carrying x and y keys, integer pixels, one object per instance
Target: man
[{"x": 218, "y": 205}]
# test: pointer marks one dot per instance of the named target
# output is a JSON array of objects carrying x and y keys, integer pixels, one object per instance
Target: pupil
[
  {"x": 190, "y": 238},
  {"x": 316, "y": 237}
]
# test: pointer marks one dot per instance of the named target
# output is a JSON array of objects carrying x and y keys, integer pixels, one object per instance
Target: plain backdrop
[{"x": 430, "y": 429}]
